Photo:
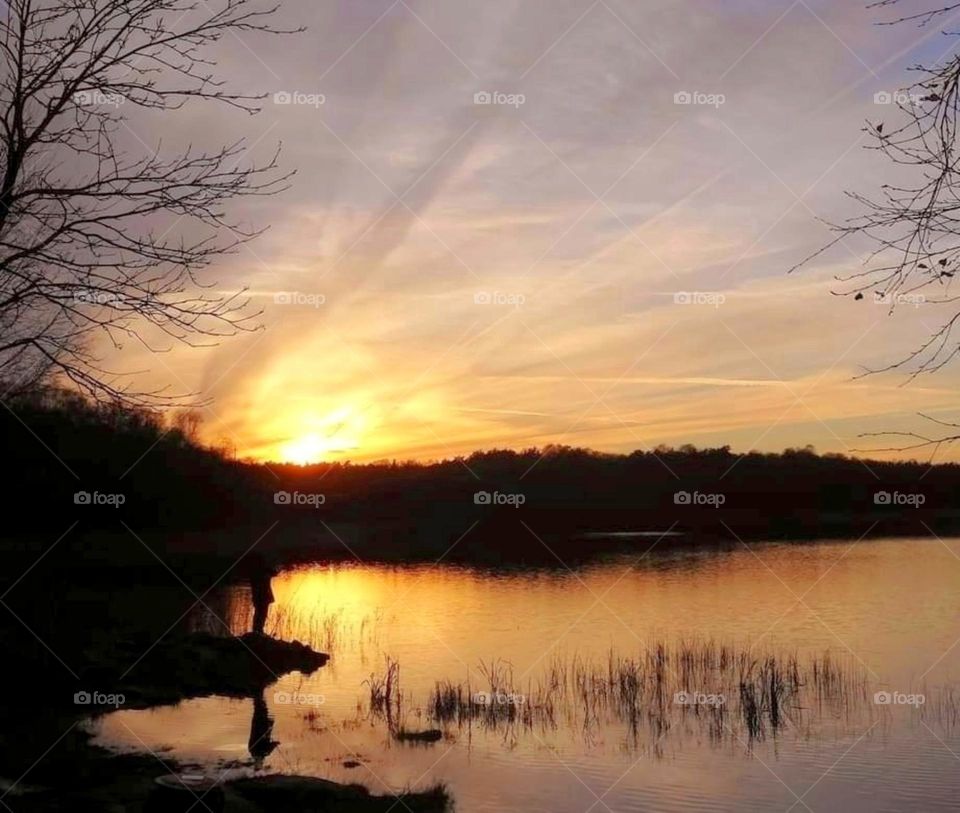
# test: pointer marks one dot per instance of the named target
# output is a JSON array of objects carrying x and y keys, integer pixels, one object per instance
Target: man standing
[{"x": 261, "y": 594}]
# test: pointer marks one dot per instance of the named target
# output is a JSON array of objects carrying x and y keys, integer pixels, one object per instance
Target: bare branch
[
  {"x": 914, "y": 228},
  {"x": 97, "y": 243}
]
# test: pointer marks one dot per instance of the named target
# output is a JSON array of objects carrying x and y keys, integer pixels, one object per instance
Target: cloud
[{"x": 581, "y": 336}]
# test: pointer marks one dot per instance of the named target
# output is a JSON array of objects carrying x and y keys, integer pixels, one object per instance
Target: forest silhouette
[{"x": 137, "y": 469}]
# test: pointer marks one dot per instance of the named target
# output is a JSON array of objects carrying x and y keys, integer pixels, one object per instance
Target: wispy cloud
[{"x": 495, "y": 274}]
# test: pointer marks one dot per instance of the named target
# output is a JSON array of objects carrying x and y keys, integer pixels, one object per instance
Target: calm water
[{"x": 858, "y": 618}]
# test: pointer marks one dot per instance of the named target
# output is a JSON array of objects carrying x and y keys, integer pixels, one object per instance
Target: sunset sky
[{"x": 469, "y": 275}]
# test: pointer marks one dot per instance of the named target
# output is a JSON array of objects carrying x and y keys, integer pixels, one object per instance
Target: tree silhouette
[
  {"x": 914, "y": 226},
  {"x": 98, "y": 242}
]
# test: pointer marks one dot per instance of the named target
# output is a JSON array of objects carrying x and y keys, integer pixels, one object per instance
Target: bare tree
[
  {"x": 102, "y": 242},
  {"x": 187, "y": 423},
  {"x": 914, "y": 227}
]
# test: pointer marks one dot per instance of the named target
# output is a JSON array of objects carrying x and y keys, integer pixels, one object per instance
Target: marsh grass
[
  {"x": 322, "y": 629},
  {"x": 386, "y": 697},
  {"x": 328, "y": 631},
  {"x": 722, "y": 690},
  {"x": 942, "y": 708}
]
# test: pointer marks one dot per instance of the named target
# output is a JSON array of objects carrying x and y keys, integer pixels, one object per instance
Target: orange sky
[{"x": 597, "y": 265}]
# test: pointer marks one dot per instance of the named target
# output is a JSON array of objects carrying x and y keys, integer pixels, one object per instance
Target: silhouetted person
[
  {"x": 260, "y": 573},
  {"x": 260, "y": 745}
]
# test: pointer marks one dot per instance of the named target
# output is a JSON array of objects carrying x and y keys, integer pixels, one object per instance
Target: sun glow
[
  {"x": 308, "y": 449},
  {"x": 324, "y": 437}
]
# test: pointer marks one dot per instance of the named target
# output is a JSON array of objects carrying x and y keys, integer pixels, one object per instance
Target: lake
[{"x": 801, "y": 676}]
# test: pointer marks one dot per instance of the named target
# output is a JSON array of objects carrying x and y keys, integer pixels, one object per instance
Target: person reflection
[
  {"x": 260, "y": 745},
  {"x": 260, "y": 574}
]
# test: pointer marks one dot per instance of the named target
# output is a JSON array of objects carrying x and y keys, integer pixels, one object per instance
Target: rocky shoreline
[{"x": 79, "y": 776}]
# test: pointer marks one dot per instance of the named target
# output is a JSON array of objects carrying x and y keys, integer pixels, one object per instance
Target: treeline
[
  {"x": 565, "y": 490},
  {"x": 102, "y": 463},
  {"x": 72, "y": 459}
]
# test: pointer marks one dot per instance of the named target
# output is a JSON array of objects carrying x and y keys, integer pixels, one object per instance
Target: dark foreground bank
[{"x": 73, "y": 775}]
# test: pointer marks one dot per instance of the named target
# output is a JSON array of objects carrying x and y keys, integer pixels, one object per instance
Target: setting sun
[
  {"x": 323, "y": 437},
  {"x": 309, "y": 449}
]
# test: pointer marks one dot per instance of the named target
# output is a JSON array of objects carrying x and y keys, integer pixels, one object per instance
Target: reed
[
  {"x": 328, "y": 631},
  {"x": 386, "y": 697},
  {"x": 727, "y": 691}
]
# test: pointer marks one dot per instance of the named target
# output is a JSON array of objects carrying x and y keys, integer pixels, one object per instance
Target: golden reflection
[{"x": 542, "y": 634}]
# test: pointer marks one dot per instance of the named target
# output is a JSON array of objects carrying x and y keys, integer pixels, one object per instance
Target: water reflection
[
  {"x": 260, "y": 745},
  {"x": 529, "y": 675}
]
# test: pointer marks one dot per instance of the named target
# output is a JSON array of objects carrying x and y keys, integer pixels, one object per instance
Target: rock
[
  {"x": 430, "y": 735},
  {"x": 180, "y": 793},
  {"x": 299, "y": 794},
  {"x": 198, "y": 665}
]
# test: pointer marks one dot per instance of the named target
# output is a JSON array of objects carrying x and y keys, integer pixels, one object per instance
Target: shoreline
[
  {"x": 77, "y": 774},
  {"x": 199, "y": 557}
]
